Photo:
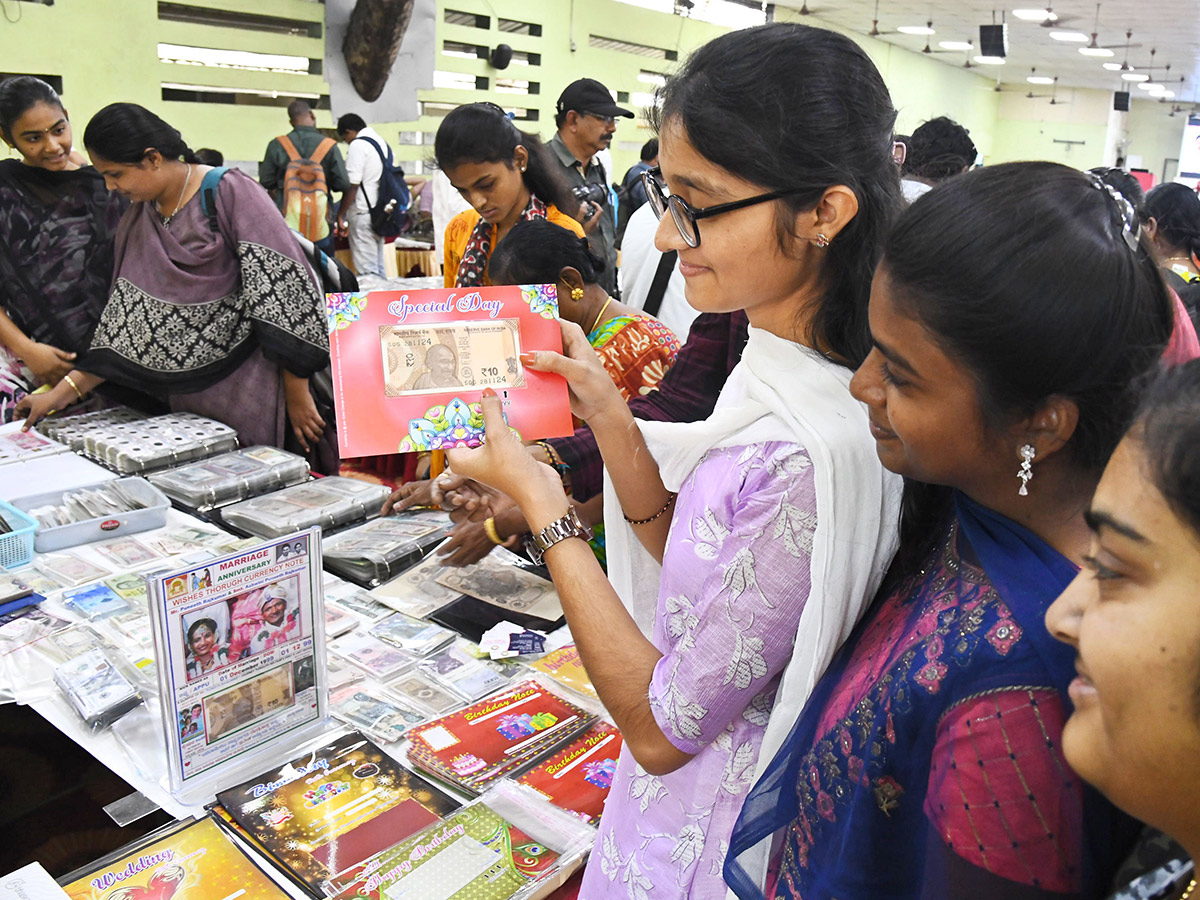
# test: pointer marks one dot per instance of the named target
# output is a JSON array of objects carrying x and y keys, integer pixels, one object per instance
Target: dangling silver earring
[{"x": 1026, "y": 472}]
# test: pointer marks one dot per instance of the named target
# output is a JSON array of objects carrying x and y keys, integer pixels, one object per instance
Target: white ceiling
[{"x": 1172, "y": 27}]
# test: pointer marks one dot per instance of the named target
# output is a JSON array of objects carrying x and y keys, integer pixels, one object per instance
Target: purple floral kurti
[{"x": 735, "y": 579}]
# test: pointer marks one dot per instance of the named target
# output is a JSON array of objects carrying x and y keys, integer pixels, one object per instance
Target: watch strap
[{"x": 569, "y": 526}]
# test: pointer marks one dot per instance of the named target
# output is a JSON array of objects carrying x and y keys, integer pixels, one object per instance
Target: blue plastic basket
[{"x": 16, "y": 547}]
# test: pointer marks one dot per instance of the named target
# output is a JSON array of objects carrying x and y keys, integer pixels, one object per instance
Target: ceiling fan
[
  {"x": 1054, "y": 20},
  {"x": 875, "y": 32},
  {"x": 928, "y": 47},
  {"x": 1095, "y": 48}
]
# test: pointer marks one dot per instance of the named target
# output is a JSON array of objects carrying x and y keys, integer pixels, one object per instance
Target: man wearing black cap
[{"x": 586, "y": 119}]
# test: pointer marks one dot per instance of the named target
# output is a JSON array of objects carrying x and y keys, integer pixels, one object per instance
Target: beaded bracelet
[
  {"x": 556, "y": 461},
  {"x": 665, "y": 507}
]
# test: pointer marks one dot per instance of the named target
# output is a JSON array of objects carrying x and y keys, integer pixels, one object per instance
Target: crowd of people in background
[{"x": 886, "y": 466}]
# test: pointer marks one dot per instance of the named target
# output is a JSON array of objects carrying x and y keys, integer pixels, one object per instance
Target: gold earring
[
  {"x": 821, "y": 241},
  {"x": 576, "y": 293}
]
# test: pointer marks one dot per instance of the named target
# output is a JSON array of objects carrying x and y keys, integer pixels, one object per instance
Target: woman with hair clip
[
  {"x": 742, "y": 548},
  {"x": 226, "y": 322},
  {"x": 1132, "y": 621},
  {"x": 1173, "y": 212},
  {"x": 56, "y": 254},
  {"x": 1184, "y": 344},
  {"x": 506, "y": 175},
  {"x": 1012, "y": 315}
]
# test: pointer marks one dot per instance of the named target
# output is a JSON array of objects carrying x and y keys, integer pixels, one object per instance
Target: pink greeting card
[{"x": 409, "y": 366}]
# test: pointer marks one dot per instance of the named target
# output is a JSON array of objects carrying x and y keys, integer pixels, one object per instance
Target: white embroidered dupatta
[{"x": 785, "y": 392}]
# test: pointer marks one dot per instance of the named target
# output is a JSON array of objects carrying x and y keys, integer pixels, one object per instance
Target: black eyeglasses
[{"x": 684, "y": 215}]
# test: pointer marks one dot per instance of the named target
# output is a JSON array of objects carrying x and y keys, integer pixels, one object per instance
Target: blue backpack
[{"x": 389, "y": 212}]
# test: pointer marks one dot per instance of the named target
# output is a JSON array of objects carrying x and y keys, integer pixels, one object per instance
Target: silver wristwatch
[{"x": 569, "y": 526}]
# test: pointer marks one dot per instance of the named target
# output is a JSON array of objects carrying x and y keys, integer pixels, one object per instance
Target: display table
[{"x": 37, "y": 648}]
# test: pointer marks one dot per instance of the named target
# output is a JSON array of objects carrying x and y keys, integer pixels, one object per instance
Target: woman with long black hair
[
  {"x": 57, "y": 222},
  {"x": 506, "y": 175},
  {"x": 753, "y": 540},
  {"x": 1014, "y": 314},
  {"x": 224, "y": 321}
]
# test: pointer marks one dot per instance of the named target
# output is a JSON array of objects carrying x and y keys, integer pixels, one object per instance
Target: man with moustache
[{"x": 586, "y": 120}]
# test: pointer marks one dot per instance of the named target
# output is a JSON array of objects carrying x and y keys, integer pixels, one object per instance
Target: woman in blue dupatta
[{"x": 1012, "y": 315}]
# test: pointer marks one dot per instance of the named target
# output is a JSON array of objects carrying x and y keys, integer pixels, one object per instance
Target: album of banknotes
[
  {"x": 330, "y": 502},
  {"x": 233, "y": 476}
]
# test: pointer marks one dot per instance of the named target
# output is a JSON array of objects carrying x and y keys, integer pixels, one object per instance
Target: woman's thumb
[{"x": 493, "y": 412}]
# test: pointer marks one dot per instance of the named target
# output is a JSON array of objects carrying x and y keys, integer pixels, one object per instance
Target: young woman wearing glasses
[{"x": 781, "y": 520}]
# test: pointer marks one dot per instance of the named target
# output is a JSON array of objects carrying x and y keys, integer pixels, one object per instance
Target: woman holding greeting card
[{"x": 781, "y": 519}]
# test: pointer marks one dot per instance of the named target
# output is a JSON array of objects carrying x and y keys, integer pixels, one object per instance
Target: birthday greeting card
[
  {"x": 497, "y": 736},
  {"x": 474, "y": 855},
  {"x": 577, "y": 778},
  {"x": 409, "y": 367}
]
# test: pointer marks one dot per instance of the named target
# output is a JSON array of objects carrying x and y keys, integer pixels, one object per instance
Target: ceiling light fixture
[
  {"x": 916, "y": 29},
  {"x": 1149, "y": 86},
  {"x": 1034, "y": 78},
  {"x": 956, "y": 45},
  {"x": 990, "y": 60},
  {"x": 1070, "y": 37},
  {"x": 1035, "y": 15},
  {"x": 1134, "y": 76},
  {"x": 1113, "y": 67}
]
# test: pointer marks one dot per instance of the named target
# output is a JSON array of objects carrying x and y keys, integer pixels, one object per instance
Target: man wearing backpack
[
  {"x": 300, "y": 170},
  {"x": 364, "y": 168}
]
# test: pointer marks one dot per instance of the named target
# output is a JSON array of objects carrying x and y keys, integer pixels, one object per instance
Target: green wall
[
  {"x": 105, "y": 51},
  {"x": 1154, "y": 135}
]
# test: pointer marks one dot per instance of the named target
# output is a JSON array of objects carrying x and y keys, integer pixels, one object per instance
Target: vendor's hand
[
  {"x": 592, "y": 390},
  {"x": 307, "y": 424},
  {"x": 340, "y": 227},
  {"x": 468, "y": 544},
  {"x": 35, "y": 407},
  {"x": 48, "y": 364},
  {"x": 465, "y": 498},
  {"x": 414, "y": 493},
  {"x": 503, "y": 464}
]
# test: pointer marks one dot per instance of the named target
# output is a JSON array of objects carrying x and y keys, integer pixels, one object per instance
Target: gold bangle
[
  {"x": 71, "y": 381},
  {"x": 665, "y": 507},
  {"x": 489, "y": 525}
]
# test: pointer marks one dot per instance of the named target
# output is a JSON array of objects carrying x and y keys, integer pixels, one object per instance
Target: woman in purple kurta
[
  {"x": 226, "y": 322},
  {"x": 741, "y": 548},
  {"x": 723, "y": 652}
]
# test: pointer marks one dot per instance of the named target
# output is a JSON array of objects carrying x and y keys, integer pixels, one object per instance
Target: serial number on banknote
[{"x": 430, "y": 359}]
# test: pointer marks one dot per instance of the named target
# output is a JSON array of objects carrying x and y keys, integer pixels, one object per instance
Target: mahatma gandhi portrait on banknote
[{"x": 425, "y": 359}]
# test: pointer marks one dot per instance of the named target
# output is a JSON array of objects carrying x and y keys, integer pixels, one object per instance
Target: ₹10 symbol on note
[{"x": 425, "y": 359}]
